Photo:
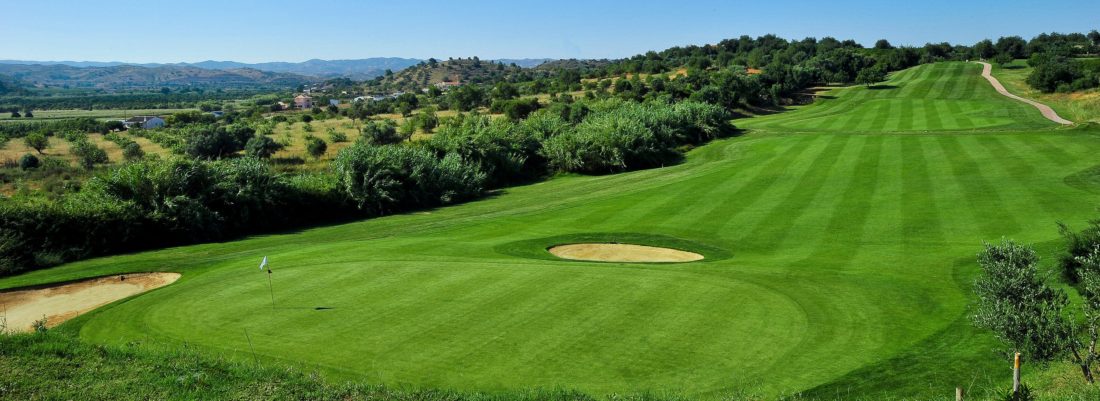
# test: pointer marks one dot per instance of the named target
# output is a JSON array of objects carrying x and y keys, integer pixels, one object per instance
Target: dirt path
[
  {"x": 19, "y": 309},
  {"x": 623, "y": 253},
  {"x": 1049, "y": 113}
]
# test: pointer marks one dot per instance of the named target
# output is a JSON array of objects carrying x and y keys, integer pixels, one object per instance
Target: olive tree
[
  {"x": 1024, "y": 312},
  {"x": 37, "y": 141}
]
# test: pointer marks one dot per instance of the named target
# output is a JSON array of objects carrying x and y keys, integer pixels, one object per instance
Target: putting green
[{"x": 854, "y": 233}]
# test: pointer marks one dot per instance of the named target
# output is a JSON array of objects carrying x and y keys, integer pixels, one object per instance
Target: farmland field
[
  {"x": 108, "y": 114},
  {"x": 839, "y": 241}
]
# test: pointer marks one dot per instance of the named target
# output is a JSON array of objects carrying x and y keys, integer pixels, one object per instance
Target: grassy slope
[
  {"x": 851, "y": 258},
  {"x": 1083, "y": 106}
]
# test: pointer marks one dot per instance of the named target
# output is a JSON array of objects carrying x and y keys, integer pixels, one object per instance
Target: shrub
[
  {"x": 88, "y": 154},
  {"x": 382, "y": 133},
  {"x": 132, "y": 151},
  {"x": 215, "y": 142},
  {"x": 261, "y": 147},
  {"x": 504, "y": 151},
  {"x": 29, "y": 161},
  {"x": 316, "y": 147},
  {"x": 1078, "y": 246},
  {"x": 620, "y": 136},
  {"x": 382, "y": 179},
  {"x": 336, "y": 136}
]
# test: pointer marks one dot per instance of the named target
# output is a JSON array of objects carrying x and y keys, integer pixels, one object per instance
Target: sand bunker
[
  {"x": 62, "y": 302},
  {"x": 623, "y": 253}
]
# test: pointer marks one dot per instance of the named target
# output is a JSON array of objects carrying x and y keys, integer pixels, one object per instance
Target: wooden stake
[
  {"x": 958, "y": 394},
  {"x": 1016, "y": 374}
]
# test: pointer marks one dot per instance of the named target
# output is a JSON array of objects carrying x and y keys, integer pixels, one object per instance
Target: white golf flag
[{"x": 263, "y": 263}]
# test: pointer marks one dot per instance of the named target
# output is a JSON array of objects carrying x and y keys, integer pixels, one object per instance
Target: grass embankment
[
  {"x": 847, "y": 260},
  {"x": 1079, "y": 107}
]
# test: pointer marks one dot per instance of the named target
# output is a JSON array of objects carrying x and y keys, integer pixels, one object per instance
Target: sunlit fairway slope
[{"x": 839, "y": 239}]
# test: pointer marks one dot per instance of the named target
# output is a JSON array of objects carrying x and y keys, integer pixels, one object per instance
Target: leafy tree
[
  {"x": 1003, "y": 59},
  {"x": 29, "y": 161},
  {"x": 466, "y": 97},
  {"x": 1015, "y": 302},
  {"x": 1014, "y": 46},
  {"x": 37, "y": 141},
  {"x": 505, "y": 91},
  {"x": 132, "y": 151},
  {"x": 88, "y": 154},
  {"x": 985, "y": 49},
  {"x": 1078, "y": 245},
  {"x": 427, "y": 120},
  {"x": 382, "y": 133},
  {"x": 217, "y": 142},
  {"x": 306, "y": 118},
  {"x": 28, "y": 113},
  {"x": 870, "y": 76},
  {"x": 15, "y": 113},
  {"x": 316, "y": 147},
  {"x": 261, "y": 147},
  {"x": 883, "y": 44}
]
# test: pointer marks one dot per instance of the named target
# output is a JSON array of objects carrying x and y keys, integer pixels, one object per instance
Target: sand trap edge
[
  {"x": 622, "y": 253},
  {"x": 62, "y": 301}
]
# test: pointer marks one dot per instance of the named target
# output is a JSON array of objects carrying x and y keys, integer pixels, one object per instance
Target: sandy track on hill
[
  {"x": 623, "y": 253},
  {"x": 58, "y": 303},
  {"x": 1049, "y": 113}
]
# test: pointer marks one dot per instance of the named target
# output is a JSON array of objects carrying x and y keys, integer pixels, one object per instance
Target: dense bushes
[
  {"x": 1055, "y": 73},
  {"x": 630, "y": 136},
  {"x": 506, "y": 152},
  {"x": 158, "y": 203},
  {"x": 1078, "y": 245},
  {"x": 383, "y": 179}
]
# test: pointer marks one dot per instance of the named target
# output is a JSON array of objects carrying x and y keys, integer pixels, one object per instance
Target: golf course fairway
[{"x": 839, "y": 244}]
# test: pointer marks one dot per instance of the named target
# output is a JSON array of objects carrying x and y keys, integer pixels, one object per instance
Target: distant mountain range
[
  {"x": 122, "y": 77},
  {"x": 360, "y": 69}
]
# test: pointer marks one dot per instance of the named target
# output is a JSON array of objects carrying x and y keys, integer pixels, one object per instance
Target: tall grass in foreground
[{"x": 56, "y": 365}]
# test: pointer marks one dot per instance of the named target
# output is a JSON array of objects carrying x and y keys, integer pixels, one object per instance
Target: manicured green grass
[
  {"x": 840, "y": 263},
  {"x": 937, "y": 97}
]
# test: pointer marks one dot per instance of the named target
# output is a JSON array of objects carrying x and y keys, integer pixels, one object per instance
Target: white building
[{"x": 146, "y": 122}]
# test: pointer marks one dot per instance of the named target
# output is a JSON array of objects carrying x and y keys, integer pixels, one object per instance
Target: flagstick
[
  {"x": 272, "y": 291},
  {"x": 254, "y": 357}
]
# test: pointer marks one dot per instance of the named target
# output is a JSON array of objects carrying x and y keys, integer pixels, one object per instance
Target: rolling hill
[{"x": 137, "y": 77}]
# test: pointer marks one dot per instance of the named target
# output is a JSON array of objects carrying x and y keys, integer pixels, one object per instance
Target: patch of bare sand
[
  {"x": 58, "y": 303},
  {"x": 607, "y": 252}
]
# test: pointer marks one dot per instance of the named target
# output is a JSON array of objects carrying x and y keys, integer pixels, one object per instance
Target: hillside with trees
[
  {"x": 136, "y": 77},
  {"x": 461, "y": 70}
]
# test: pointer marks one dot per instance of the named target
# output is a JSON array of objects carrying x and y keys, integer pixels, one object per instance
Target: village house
[
  {"x": 303, "y": 102},
  {"x": 145, "y": 122}
]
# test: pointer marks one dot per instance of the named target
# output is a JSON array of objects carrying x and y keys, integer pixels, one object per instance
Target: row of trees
[{"x": 206, "y": 194}]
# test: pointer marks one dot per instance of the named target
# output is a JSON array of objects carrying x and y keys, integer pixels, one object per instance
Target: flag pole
[{"x": 270, "y": 289}]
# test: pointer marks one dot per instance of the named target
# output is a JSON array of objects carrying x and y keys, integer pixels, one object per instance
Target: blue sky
[{"x": 277, "y": 30}]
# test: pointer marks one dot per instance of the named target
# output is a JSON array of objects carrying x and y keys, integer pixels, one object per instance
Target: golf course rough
[{"x": 854, "y": 223}]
